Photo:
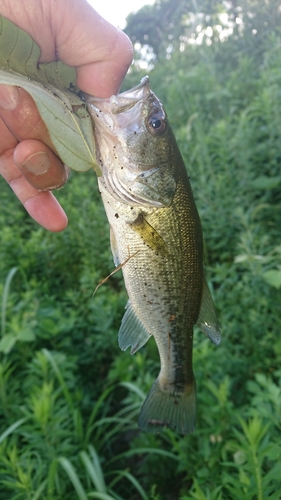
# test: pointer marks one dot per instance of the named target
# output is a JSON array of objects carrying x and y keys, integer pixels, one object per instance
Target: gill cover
[{"x": 132, "y": 140}]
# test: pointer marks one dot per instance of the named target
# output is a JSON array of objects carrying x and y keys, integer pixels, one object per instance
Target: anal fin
[
  {"x": 207, "y": 320},
  {"x": 132, "y": 332}
]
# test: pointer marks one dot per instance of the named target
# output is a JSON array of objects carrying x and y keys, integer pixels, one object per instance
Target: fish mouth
[{"x": 120, "y": 102}]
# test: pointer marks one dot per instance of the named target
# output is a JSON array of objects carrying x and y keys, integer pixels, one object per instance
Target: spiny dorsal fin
[
  {"x": 207, "y": 320},
  {"x": 132, "y": 332}
]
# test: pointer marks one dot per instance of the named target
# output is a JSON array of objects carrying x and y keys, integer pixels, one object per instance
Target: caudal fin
[{"x": 176, "y": 410}]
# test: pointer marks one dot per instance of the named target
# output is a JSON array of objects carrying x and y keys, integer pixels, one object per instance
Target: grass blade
[
  {"x": 11, "y": 429},
  {"x": 60, "y": 378},
  {"x": 133, "y": 480},
  {"x": 70, "y": 471},
  {"x": 101, "y": 496},
  {"x": 140, "y": 451},
  {"x": 37, "y": 494},
  {"x": 9, "y": 278},
  {"x": 94, "y": 469}
]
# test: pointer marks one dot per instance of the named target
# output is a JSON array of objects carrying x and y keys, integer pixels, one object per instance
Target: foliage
[
  {"x": 169, "y": 26},
  {"x": 69, "y": 399}
]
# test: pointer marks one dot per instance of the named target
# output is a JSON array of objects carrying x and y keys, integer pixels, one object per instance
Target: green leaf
[
  {"x": 124, "y": 473},
  {"x": 7, "y": 342},
  {"x": 94, "y": 469},
  {"x": 26, "y": 335},
  {"x": 53, "y": 88},
  {"x": 273, "y": 277},
  {"x": 264, "y": 182},
  {"x": 11, "y": 429},
  {"x": 71, "y": 472},
  {"x": 101, "y": 496},
  {"x": 10, "y": 276}
]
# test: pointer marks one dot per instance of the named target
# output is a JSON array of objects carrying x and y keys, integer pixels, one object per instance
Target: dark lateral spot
[
  {"x": 116, "y": 215},
  {"x": 176, "y": 402},
  {"x": 172, "y": 318}
]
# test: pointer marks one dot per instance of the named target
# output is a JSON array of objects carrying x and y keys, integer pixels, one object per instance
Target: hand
[{"x": 72, "y": 31}]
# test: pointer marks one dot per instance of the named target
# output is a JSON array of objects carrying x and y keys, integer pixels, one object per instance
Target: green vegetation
[{"x": 69, "y": 399}]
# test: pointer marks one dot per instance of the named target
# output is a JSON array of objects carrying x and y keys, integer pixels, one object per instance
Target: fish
[{"x": 156, "y": 237}]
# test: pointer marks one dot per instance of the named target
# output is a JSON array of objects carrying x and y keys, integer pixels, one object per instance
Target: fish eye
[{"x": 156, "y": 124}]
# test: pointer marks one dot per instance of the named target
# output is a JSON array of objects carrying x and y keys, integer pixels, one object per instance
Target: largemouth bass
[{"x": 156, "y": 234}]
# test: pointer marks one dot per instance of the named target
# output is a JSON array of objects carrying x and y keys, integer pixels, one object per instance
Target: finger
[
  {"x": 75, "y": 33},
  {"x": 41, "y": 206},
  {"x": 7, "y": 140},
  {"x": 20, "y": 115},
  {"x": 102, "y": 52},
  {"x": 21, "y": 120},
  {"x": 39, "y": 165},
  {"x": 102, "y": 57}
]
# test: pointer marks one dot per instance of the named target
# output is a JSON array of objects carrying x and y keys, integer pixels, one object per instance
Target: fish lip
[{"x": 118, "y": 103}]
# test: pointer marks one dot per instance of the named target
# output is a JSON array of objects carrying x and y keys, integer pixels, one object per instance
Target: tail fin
[{"x": 176, "y": 410}]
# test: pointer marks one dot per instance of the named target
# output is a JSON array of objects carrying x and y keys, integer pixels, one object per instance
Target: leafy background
[{"x": 69, "y": 398}]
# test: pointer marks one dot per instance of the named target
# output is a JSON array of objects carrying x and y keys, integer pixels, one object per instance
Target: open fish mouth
[{"x": 121, "y": 102}]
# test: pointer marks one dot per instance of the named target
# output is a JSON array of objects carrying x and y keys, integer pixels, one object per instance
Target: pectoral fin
[
  {"x": 132, "y": 332},
  {"x": 114, "y": 249},
  {"x": 151, "y": 237},
  {"x": 207, "y": 320}
]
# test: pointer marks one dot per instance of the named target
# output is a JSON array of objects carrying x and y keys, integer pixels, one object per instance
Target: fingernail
[
  {"x": 9, "y": 96},
  {"x": 38, "y": 163}
]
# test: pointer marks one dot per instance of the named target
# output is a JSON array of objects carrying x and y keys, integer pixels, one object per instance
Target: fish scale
[{"x": 156, "y": 236}]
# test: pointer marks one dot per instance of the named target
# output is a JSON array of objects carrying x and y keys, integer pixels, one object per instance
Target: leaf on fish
[{"x": 53, "y": 88}]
